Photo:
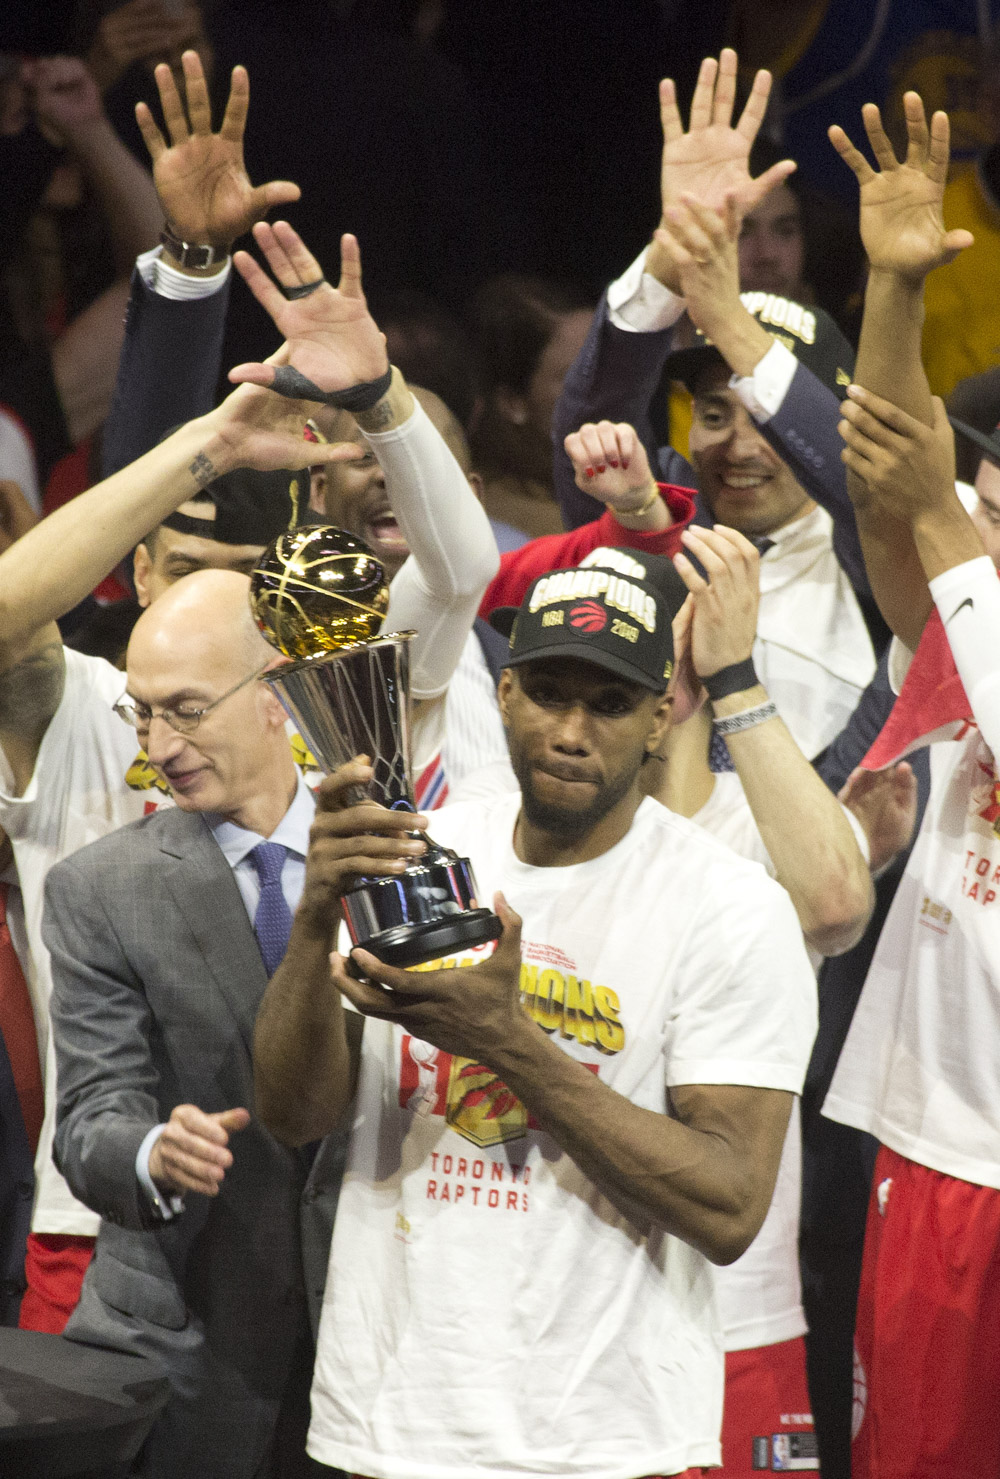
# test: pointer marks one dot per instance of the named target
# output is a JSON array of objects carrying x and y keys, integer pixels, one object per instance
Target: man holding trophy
[{"x": 553, "y": 1141}]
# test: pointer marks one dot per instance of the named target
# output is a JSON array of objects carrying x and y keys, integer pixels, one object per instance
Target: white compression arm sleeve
[
  {"x": 968, "y": 598},
  {"x": 453, "y": 555}
]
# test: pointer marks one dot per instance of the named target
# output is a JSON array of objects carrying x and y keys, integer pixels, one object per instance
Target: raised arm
[
  {"x": 611, "y": 464},
  {"x": 910, "y": 469},
  {"x": 337, "y": 354},
  {"x": 800, "y": 420},
  {"x": 903, "y": 231},
  {"x": 618, "y": 370},
  {"x": 55, "y": 564},
  {"x": 171, "y": 359},
  {"x": 802, "y": 825}
]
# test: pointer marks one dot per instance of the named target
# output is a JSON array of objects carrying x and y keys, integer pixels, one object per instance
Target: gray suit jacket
[{"x": 157, "y": 980}]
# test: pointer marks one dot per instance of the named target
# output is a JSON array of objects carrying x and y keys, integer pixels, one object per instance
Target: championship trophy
[{"x": 320, "y": 596}]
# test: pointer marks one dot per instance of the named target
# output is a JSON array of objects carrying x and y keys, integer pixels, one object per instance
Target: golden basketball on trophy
[
  {"x": 319, "y": 595},
  {"x": 317, "y": 589}
]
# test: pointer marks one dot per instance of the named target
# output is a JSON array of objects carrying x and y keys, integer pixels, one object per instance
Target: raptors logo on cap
[{"x": 589, "y": 616}]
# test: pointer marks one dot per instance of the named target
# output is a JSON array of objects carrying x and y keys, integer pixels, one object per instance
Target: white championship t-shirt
[
  {"x": 488, "y": 1310},
  {"x": 760, "y": 1295},
  {"x": 77, "y": 793},
  {"x": 921, "y": 1063}
]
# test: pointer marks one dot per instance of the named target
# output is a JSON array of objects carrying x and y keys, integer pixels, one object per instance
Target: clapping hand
[
  {"x": 902, "y": 225},
  {"x": 885, "y": 803},
  {"x": 200, "y": 176},
  {"x": 723, "y": 615}
]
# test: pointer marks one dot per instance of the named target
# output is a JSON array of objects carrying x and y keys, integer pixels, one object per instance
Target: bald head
[
  {"x": 216, "y": 736},
  {"x": 206, "y": 613}
]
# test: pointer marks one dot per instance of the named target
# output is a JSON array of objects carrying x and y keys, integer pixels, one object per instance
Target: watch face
[{"x": 190, "y": 254}]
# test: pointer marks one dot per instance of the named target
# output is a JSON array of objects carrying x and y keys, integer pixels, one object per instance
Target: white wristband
[{"x": 745, "y": 719}]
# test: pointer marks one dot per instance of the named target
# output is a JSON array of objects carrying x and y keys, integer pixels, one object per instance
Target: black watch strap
[{"x": 191, "y": 254}]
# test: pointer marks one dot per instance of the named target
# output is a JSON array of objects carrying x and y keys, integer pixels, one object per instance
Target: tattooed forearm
[
  {"x": 381, "y": 415},
  {"x": 202, "y": 469},
  {"x": 30, "y": 692}
]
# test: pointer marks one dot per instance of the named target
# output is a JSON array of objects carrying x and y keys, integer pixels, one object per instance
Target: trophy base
[
  {"x": 411, "y": 944},
  {"x": 427, "y": 911}
]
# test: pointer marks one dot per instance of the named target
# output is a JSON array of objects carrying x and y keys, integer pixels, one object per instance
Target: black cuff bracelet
[
  {"x": 735, "y": 679},
  {"x": 298, "y": 387}
]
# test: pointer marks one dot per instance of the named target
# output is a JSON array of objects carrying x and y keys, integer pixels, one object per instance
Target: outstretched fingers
[
  {"x": 725, "y": 88},
  {"x": 151, "y": 136},
  {"x": 850, "y": 154},
  {"x": 878, "y": 138},
  {"x": 235, "y": 117},
  {"x": 756, "y": 106},
  {"x": 287, "y": 255},
  {"x": 704, "y": 94},
  {"x": 198, "y": 106},
  {"x": 268, "y": 296},
  {"x": 917, "y": 133},
  {"x": 670, "y": 115},
  {"x": 170, "y": 101},
  {"x": 350, "y": 267}
]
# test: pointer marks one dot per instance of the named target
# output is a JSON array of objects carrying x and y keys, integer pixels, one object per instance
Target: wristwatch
[{"x": 191, "y": 254}]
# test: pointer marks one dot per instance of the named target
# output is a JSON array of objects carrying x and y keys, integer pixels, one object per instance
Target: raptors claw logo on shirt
[{"x": 475, "y": 1102}]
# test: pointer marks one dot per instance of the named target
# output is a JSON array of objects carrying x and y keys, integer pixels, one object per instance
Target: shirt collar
[{"x": 292, "y": 831}]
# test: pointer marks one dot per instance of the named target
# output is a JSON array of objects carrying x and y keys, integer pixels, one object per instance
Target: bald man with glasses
[{"x": 163, "y": 937}]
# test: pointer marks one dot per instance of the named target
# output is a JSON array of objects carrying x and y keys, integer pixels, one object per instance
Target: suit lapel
[{"x": 205, "y": 891}]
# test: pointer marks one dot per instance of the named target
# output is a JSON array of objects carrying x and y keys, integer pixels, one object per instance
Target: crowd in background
[{"x": 640, "y": 331}]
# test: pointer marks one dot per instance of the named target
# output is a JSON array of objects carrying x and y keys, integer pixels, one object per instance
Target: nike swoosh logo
[{"x": 967, "y": 602}]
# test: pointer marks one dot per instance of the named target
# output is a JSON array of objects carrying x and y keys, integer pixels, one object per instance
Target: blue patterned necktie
[{"x": 272, "y": 923}]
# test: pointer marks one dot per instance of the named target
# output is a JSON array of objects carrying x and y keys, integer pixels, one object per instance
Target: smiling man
[{"x": 551, "y": 1144}]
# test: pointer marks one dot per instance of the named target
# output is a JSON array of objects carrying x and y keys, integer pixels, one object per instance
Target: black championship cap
[
  {"x": 614, "y": 611},
  {"x": 988, "y": 442},
  {"x": 250, "y": 507},
  {"x": 809, "y": 333}
]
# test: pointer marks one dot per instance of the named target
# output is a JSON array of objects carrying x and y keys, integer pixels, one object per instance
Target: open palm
[
  {"x": 200, "y": 177},
  {"x": 902, "y": 225},
  {"x": 330, "y": 337},
  {"x": 711, "y": 160}
]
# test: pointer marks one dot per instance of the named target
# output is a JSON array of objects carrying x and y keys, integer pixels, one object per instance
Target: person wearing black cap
[
  {"x": 767, "y": 382},
  {"x": 64, "y": 757},
  {"x": 552, "y": 1144}
]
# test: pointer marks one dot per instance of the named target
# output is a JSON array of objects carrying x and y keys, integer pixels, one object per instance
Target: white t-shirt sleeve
[
  {"x": 968, "y": 599},
  {"x": 640, "y": 304},
  {"x": 453, "y": 555},
  {"x": 746, "y": 1012}
]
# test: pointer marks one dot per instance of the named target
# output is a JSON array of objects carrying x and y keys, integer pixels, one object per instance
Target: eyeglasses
[{"x": 184, "y": 720}]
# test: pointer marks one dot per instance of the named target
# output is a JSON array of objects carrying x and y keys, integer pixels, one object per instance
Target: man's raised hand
[
  {"x": 907, "y": 466},
  {"x": 200, "y": 176},
  {"x": 711, "y": 159},
  {"x": 902, "y": 225},
  {"x": 330, "y": 337}
]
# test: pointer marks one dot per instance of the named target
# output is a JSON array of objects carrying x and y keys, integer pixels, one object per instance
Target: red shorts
[
  {"x": 54, "y": 1266},
  {"x": 927, "y": 1359},
  {"x": 767, "y": 1418}
]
